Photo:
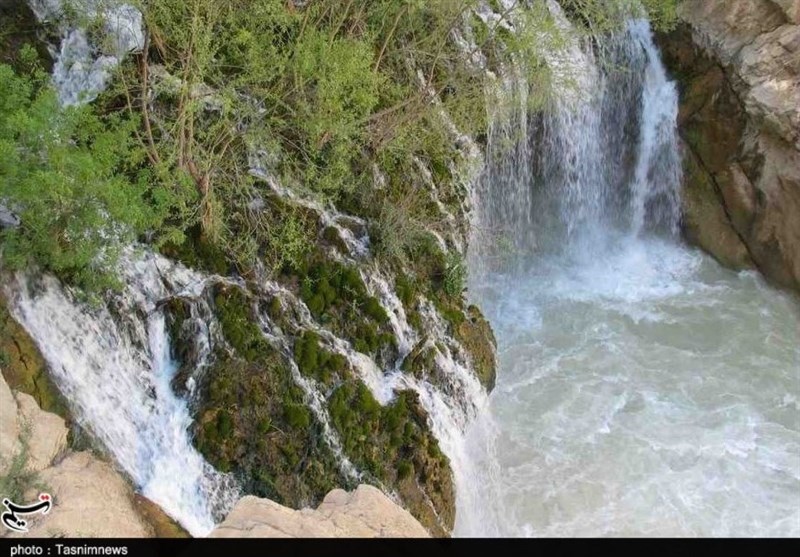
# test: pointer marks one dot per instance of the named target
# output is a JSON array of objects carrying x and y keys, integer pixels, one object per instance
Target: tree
[{"x": 65, "y": 174}]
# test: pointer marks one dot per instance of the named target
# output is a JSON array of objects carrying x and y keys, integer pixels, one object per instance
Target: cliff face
[
  {"x": 738, "y": 66},
  {"x": 91, "y": 499}
]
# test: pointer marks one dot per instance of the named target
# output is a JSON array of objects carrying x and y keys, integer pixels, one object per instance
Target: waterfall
[
  {"x": 114, "y": 366},
  {"x": 642, "y": 389},
  {"x": 82, "y": 69},
  {"x": 568, "y": 179}
]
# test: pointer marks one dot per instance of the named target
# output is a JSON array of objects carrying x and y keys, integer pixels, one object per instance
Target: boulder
[
  {"x": 91, "y": 499},
  {"x": 9, "y": 426},
  {"x": 47, "y": 433},
  {"x": 363, "y": 513}
]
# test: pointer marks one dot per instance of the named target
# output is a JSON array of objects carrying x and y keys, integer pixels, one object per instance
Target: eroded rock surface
[
  {"x": 91, "y": 499},
  {"x": 364, "y": 513},
  {"x": 738, "y": 64}
]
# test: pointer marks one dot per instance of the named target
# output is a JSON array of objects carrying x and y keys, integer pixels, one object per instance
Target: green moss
[
  {"x": 198, "y": 252},
  {"x": 234, "y": 311},
  {"x": 374, "y": 309},
  {"x": 252, "y": 419},
  {"x": 224, "y": 424},
  {"x": 420, "y": 362},
  {"x": 406, "y": 290},
  {"x": 405, "y": 468},
  {"x": 314, "y": 361},
  {"x": 337, "y": 297},
  {"x": 297, "y": 416},
  {"x": 394, "y": 444}
]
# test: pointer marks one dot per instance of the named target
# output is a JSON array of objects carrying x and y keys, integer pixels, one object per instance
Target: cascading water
[
  {"x": 114, "y": 366},
  {"x": 642, "y": 389}
]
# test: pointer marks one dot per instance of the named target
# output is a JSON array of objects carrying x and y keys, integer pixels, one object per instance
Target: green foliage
[
  {"x": 64, "y": 172},
  {"x": 316, "y": 362},
  {"x": 224, "y": 424},
  {"x": 455, "y": 275},
  {"x": 235, "y": 317},
  {"x": 602, "y": 16},
  {"x": 298, "y": 416},
  {"x": 397, "y": 232},
  {"x": 336, "y": 295}
]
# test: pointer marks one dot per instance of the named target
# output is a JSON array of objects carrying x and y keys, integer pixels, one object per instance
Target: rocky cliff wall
[{"x": 738, "y": 66}]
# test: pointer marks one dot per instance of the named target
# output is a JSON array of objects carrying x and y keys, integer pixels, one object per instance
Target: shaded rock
[
  {"x": 19, "y": 27},
  {"x": 365, "y": 513},
  {"x": 705, "y": 221},
  {"x": 91, "y": 499},
  {"x": 23, "y": 366},
  {"x": 9, "y": 426},
  {"x": 159, "y": 523},
  {"x": 738, "y": 66}
]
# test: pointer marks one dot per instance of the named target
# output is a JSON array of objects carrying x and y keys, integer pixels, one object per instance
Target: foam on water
[
  {"x": 659, "y": 413},
  {"x": 82, "y": 70}
]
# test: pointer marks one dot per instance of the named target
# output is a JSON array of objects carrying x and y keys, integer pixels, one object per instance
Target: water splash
[{"x": 82, "y": 69}]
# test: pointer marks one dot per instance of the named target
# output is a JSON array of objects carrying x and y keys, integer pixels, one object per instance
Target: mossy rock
[
  {"x": 253, "y": 421},
  {"x": 420, "y": 362},
  {"x": 198, "y": 252},
  {"x": 24, "y": 368},
  {"x": 159, "y": 522},
  {"x": 18, "y": 28},
  {"x": 394, "y": 445},
  {"x": 338, "y": 299},
  {"x": 477, "y": 338},
  {"x": 178, "y": 314},
  {"x": 471, "y": 329},
  {"x": 332, "y": 237},
  {"x": 316, "y": 362}
]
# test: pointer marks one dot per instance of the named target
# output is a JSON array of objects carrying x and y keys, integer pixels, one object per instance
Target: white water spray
[
  {"x": 82, "y": 69},
  {"x": 115, "y": 370}
]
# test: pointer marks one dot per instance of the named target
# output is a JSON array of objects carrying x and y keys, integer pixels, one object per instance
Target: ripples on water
[{"x": 645, "y": 391}]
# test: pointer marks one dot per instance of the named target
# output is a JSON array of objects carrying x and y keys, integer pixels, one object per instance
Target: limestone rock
[
  {"x": 90, "y": 497},
  {"x": 365, "y": 513},
  {"x": 90, "y": 500},
  {"x": 9, "y": 426},
  {"x": 738, "y": 65},
  {"x": 47, "y": 434}
]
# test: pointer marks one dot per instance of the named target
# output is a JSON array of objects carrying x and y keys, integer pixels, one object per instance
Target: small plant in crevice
[
  {"x": 18, "y": 479},
  {"x": 455, "y": 275}
]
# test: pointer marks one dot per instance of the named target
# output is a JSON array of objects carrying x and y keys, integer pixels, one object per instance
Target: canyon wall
[{"x": 738, "y": 66}]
